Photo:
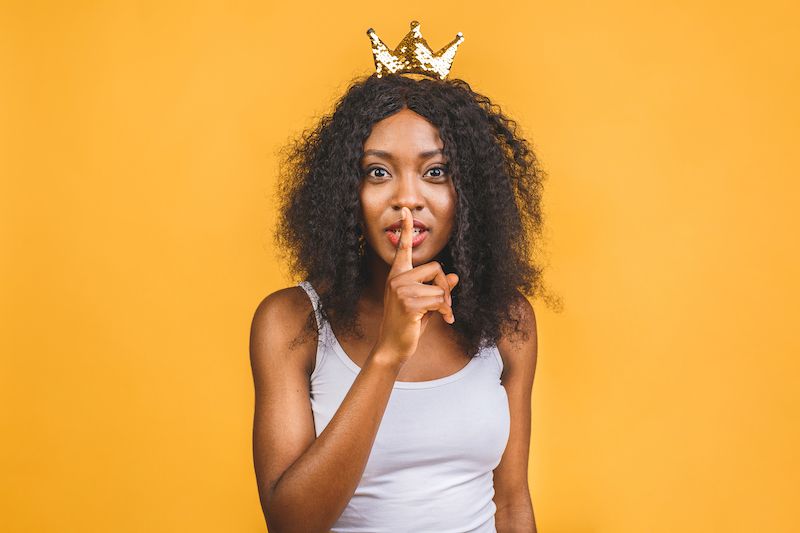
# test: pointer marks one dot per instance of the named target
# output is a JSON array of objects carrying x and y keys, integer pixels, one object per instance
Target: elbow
[
  {"x": 282, "y": 517},
  {"x": 276, "y": 524}
]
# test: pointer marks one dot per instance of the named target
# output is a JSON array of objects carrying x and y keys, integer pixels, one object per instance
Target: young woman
[{"x": 393, "y": 384}]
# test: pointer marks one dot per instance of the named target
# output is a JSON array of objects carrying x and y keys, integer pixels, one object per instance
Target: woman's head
[
  {"x": 485, "y": 216},
  {"x": 404, "y": 166}
]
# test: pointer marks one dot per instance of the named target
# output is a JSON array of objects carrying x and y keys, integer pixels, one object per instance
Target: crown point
[
  {"x": 414, "y": 24},
  {"x": 459, "y": 34}
]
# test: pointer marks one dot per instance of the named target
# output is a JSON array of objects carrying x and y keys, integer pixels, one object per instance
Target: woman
[{"x": 393, "y": 384}]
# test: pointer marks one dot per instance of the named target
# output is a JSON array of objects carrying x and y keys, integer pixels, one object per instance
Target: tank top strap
[
  {"x": 315, "y": 302},
  {"x": 323, "y": 329}
]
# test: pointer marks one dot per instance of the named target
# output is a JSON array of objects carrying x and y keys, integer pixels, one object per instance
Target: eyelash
[{"x": 442, "y": 175}]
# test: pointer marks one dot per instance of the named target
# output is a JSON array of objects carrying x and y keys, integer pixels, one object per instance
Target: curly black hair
[{"x": 498, "y": 221}]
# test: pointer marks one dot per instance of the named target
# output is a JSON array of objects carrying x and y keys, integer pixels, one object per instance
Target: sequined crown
[{"x": 413, "y": 55}]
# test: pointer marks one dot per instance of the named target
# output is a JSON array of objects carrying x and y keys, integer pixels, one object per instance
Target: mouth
[
  {"x": 419, "y": 236},
  {"x": 420, "y": 232},
  {"x": 399, "y": 224}
]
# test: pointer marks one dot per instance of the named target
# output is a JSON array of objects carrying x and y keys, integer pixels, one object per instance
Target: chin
[{"x": 419, "y": 256}]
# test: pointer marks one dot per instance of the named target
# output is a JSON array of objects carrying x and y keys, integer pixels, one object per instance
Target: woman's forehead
[
  {"x": 384, "y": 154},
  {"x": 405, "y": 132}
]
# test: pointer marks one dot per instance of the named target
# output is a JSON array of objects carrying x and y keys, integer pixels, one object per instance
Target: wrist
[{"x": 383, "y": 358}]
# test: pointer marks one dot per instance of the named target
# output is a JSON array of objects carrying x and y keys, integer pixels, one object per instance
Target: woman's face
[{"x": 403, "y": 166}]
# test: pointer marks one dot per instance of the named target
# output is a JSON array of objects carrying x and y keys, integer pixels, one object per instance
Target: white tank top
[{"x": 430, "y": 467}]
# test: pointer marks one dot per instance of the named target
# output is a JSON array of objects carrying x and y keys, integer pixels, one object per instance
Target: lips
[
  {"x": 399, "y": 225},
  {"x": 416, "y": 240}
]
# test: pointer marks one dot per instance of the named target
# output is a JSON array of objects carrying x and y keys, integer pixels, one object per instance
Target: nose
[{"x": 407, "y": 193}]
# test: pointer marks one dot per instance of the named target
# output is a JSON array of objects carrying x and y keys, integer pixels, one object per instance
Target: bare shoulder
[
  {"x": 519, "y": 350},
  {"x": 278, "y": 323}
]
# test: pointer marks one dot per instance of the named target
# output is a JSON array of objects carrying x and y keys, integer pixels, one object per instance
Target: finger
[
  {"x": 427, "y": 272},
  {"x": 422, "y": 290},
  {"x": 441, "y": 281},
  {"x": 433, "y": 272},
  {"x": 453, "y": 280},
  {"x": 427, "y": 303},
  {"x": 441, "y": 284},
  {"x": 402, "y": 255}
]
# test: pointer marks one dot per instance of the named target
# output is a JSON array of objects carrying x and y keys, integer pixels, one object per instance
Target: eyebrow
[{"x": 386, "y": 155}]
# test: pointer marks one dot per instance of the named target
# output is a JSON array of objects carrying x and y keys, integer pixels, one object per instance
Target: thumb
[{"x": 452, "y": 279}]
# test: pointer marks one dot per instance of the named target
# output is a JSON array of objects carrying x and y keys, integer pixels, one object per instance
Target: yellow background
[{"x": 138, "y": 158}]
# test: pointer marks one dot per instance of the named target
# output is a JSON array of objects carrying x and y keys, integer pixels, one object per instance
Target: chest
[
  {"x": 461, "y": 421},
  {"x": 437, "y": 355},
  {"x": 464, "y": 424}
]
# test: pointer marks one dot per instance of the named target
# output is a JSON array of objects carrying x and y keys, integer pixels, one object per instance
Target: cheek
[
  {"x": 447, "y": 208},
  {"x": 369, "y": 210},
  {"x": 449, "y": 226}
]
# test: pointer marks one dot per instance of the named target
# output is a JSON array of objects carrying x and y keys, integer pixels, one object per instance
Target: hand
[{"x": 407, "y": 301}]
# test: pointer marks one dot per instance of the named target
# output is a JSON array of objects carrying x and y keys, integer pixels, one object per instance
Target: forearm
[
  {"x": 312, "y": 493},
  {"x": 515, "y": 519}
]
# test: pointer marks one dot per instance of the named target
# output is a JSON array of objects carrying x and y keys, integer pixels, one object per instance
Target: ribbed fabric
[{"x": 430, "y": 467}]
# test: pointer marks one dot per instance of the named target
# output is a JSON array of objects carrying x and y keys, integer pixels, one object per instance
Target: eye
[
  {"x": 369, "y": 172},
  {"x": 442, "y": 172}
]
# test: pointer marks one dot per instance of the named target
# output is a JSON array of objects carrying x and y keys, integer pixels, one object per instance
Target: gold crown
[{"x": 413, "y": 55}]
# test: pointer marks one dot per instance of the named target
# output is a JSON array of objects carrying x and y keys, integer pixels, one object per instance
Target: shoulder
[
  {"x": 518, "y": 349},
  {"x": 284, "y": 307},
  {"x": 287, "y": 300},
  {"x": 278, "y": 322}
]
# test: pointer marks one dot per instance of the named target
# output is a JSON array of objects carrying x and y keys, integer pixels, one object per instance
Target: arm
[
  {"x": 305, "y": 482},
  {"x": 512, "y": 495}
]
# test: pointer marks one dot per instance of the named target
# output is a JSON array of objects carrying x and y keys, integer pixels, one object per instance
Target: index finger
[{"x": 402, "y": 255}]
